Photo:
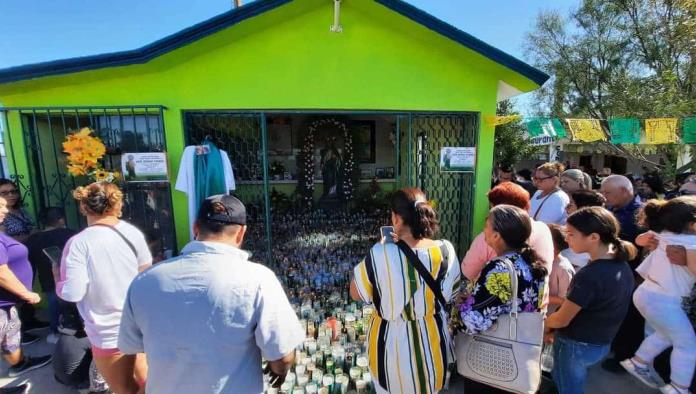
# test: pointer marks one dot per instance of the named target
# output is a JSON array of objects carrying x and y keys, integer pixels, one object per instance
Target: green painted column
[
  {"x": 174, "y": 135},
  {"x": 484, "y": 168}
]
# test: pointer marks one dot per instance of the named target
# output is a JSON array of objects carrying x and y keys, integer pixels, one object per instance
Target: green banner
[
  {"x": 545, "y": 126},
  {"x": 689, "y": 130},
  {"x": 624, "y": 130},
  {"x": 558, "y": 128}
]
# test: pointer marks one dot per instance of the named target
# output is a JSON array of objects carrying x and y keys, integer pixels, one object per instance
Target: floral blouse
[
  {"x": 18, "y": 224},
  {"x": 489, "y": 296}
]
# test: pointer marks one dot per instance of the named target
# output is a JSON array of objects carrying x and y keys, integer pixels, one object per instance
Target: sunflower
[{"x": 101, "y": 175}]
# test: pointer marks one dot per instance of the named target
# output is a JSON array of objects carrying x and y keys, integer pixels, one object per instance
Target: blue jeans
[
  {"x": 53, "y": 310},
  {"x": 570, "y": 362}
]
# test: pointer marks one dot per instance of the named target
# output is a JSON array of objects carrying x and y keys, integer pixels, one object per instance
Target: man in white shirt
[{"x": 206, "y": 318}]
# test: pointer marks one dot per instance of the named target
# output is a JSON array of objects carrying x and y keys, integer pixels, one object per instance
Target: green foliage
[
  {"x": 511, "y": 144},
  {"x": 618, "y": 58}
]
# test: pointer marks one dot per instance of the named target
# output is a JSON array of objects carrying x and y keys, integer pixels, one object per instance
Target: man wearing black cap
[{"x": 206, "y": 318}]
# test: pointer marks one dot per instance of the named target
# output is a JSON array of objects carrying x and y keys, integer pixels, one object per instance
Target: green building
[{"x": 397, "y": 82}]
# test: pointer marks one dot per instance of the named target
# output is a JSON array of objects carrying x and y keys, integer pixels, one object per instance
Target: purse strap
[
  {"x": 423, "y": 272},
  {"x": 542, "y": 204},
  {"x": 123, "y": 237},
  {"x": 513, "y": 297}
]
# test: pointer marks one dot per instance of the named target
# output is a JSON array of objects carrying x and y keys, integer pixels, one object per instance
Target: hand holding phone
[{"x": 387, "y": 233}]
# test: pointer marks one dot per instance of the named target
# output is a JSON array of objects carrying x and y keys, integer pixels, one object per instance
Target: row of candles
[{"x": 333, "y": 358}]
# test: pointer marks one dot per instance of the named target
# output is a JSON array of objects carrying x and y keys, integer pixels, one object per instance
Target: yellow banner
[
  {"x": 501, "y": 120},
  {"x": 586, "y": 130},
  {"x": 661, "y": 131}
]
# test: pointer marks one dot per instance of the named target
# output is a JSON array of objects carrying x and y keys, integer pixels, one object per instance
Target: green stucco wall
[{"x": 288, "y": 59}]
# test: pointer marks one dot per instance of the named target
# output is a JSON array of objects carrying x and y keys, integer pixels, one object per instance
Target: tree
[
  {"x": 511, "y": 143},
  {"x": 618, "y": 58}
]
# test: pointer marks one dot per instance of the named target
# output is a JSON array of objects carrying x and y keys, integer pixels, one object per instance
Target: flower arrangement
[{"x": 84, "y": 153}]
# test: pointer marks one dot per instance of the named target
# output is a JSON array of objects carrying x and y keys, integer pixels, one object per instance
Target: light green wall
[{"x": 288, "y": 59}]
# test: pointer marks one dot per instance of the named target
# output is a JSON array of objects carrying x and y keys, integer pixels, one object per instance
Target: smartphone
[
  {"x": 54, "y": 254},
  {"x": 386, "y": 233}
]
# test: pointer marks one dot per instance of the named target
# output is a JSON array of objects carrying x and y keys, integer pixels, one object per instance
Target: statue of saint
[{"x": 330, "y": 167}]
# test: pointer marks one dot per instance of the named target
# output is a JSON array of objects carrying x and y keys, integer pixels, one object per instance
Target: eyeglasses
[
  {"x": 536, "y": 178},
  {"x": 9, "y": 193}
]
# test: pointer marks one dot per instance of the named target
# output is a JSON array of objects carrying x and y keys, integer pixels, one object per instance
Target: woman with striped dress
[{"x": 409, "y": 345}]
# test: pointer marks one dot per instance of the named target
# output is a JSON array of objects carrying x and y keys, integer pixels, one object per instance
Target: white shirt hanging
[{"x": 186, "y": 182}]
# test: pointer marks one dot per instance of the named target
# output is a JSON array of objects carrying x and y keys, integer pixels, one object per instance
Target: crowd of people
[{"x": 597, "y": 271}]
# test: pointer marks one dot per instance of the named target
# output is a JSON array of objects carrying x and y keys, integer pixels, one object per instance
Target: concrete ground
[{"x": 599, "y": 381}]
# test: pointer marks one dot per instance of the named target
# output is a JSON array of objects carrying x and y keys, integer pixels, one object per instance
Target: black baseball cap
[{"x": 222, "y": 208}]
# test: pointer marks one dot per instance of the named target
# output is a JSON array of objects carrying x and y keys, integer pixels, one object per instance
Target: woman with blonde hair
[
  {"x": 97, "y": 267},
  {"x": 549, "y": 203}
]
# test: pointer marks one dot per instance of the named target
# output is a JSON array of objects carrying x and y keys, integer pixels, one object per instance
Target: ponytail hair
[
  {"x": 411, "y": 205},
  {"x": 675, "y": 215},
  {"x": 624, "y": 250},
  {"x": 514, "y": 226},
  {"x": 597, "y": 220}
]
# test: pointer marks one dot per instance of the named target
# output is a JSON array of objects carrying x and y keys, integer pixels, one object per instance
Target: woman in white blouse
[
  {"x": 97, "y": 267},
  {"x": 549, "y": 203}
]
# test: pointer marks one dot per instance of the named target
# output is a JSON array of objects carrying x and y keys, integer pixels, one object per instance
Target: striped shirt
[{"x": 409, "y": 346}]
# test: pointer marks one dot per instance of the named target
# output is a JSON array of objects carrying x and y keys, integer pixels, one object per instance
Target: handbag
[{"x": 508, "y": 355}]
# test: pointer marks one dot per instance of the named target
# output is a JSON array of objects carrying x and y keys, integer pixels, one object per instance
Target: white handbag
[{"x": 508, "y": 355}]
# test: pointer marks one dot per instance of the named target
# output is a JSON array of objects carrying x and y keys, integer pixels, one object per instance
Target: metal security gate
[
  {"x": 123, "y": 129},
  {"x": 242, "y": 136},
  {"x": 453, "y": 192},
  {"x": 419, "y": 137}
]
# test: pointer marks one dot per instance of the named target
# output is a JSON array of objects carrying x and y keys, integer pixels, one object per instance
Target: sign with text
[
  {"x": 457, "y": 159},
  {"x": 144, "y": 167}
]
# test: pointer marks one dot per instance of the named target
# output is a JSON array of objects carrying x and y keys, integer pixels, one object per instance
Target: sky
[{"x": 41, "y": 30}]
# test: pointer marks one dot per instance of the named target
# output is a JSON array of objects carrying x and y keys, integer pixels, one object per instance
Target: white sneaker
[
  {"x": 52, "y": 338},
  {"x": 672, "y": 389},
  {"x": 641, "y": 373}
]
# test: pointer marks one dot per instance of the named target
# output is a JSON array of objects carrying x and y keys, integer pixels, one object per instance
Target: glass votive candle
[
  {"x": 290, "y": 378},
  {"x": 345, "y": 382},
  {"x": 317, "y": 376},
  {"x": 327, "y": 381},
  {"x": 302, "y": 380},
  {"x": 300, "y": 370},
  {"x": 330, "y": 366},
  {"x": 361, "y": 386},
  {"x": 355, "y": 373},
  {"x": 311, "y": 388},
  {"x": 298, "y": 390},
  {"x": 362, "y": 363},
  {"x": 324, "y": 390},
  {"x": 285, "y": 388}
]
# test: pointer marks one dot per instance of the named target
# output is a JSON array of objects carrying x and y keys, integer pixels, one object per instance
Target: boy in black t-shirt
[{"x": 54, "y": 234}]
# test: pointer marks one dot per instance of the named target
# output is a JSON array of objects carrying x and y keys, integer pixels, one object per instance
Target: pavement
[{"x": 598, "y": 382}]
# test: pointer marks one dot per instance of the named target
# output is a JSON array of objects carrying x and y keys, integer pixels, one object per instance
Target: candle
[
  {"x": 300, "y": 370},
  {"x": 317, "y": 376},
  {"x": 355, "y": 373},
  {"x": 362, "y": 363},
  {"x": 290, "y": 378},
  {"x": 302, "y": 380},
  {"x": 344, "y": 381},
  {"x": 311, "y": 388},
  {"x": 361, "y": 386},
  {"x": 285, "y": 388},
  {"x": 327, "y": 381}
]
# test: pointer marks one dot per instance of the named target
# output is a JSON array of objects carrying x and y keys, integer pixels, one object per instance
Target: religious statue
[{"x": 330, "y": 167}]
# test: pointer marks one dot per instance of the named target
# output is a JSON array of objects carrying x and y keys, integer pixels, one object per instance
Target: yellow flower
[
  {"x": 76, "y": 170},
  {"x": 100, "y": 175},
  {"x": 498, "y": 284}
]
